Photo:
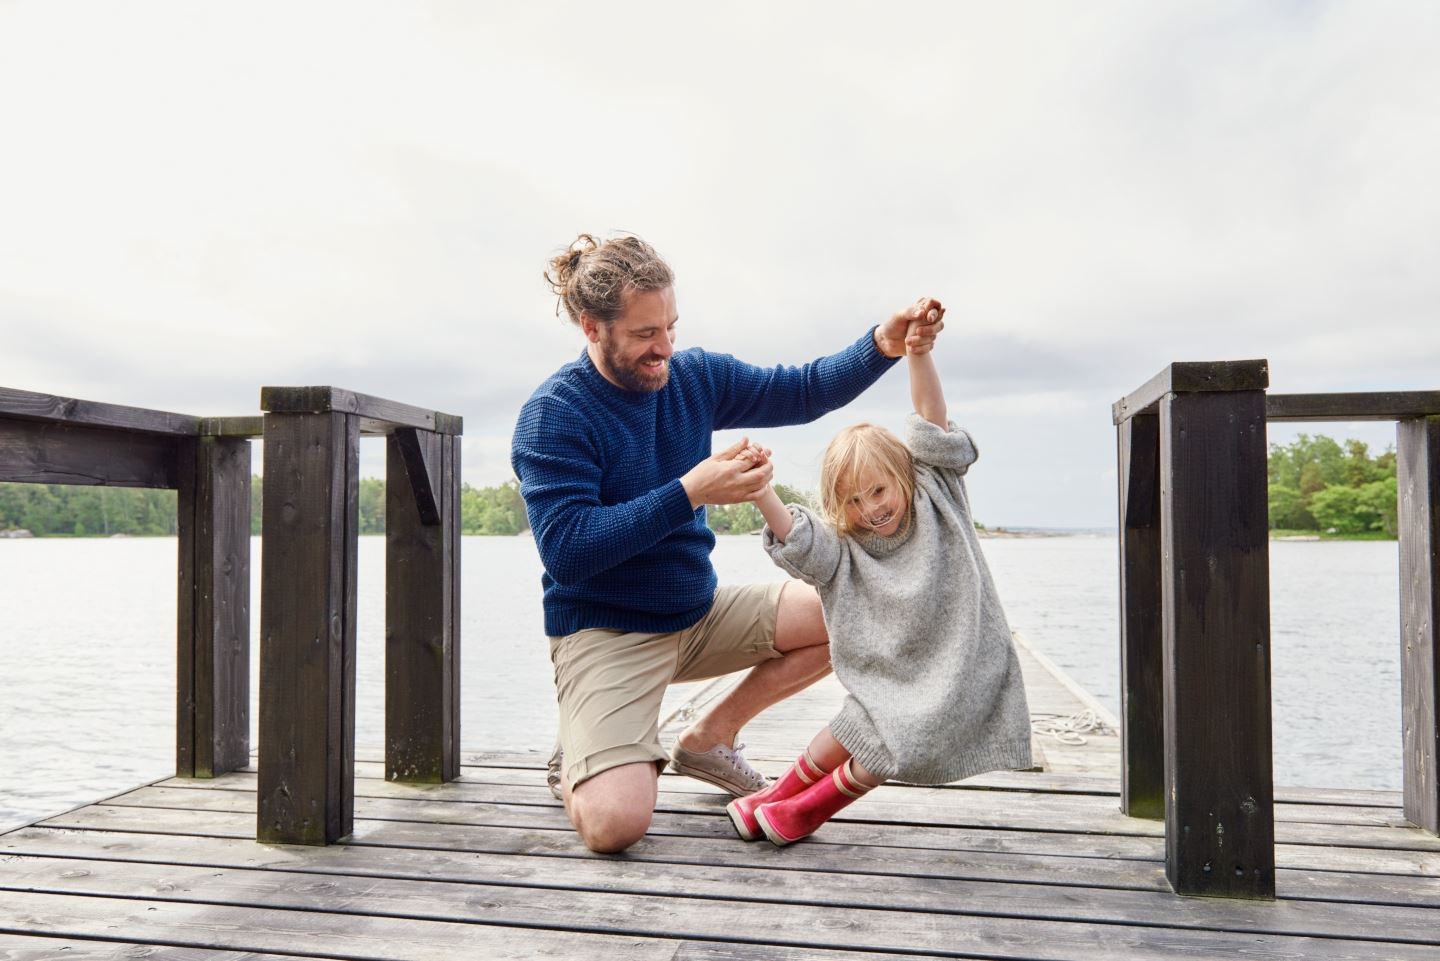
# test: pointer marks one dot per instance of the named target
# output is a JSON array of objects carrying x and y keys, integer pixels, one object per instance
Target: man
[{"x": 615, "y": 465}]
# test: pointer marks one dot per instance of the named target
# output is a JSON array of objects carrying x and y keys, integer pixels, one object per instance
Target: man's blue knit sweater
[{"x": 600, "y": 470}]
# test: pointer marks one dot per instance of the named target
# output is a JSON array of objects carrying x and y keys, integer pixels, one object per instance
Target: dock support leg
[
  {"x": 307, "y": 628},
  {"x": 422, "y": 607},
  {"x": 1219, "y": 793},
  {"x": 1142, "y": 734},
  {"x": 1418, "y": 467},
  {"x": 212, "y": 720}
]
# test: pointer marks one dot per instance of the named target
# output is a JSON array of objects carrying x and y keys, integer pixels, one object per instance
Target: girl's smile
[{"x": 877, "y": 505}]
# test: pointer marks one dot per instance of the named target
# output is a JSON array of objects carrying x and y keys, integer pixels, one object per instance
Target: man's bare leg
[
  {"x": 612, "y": 810},
  {"x": 800, "y": 636}
]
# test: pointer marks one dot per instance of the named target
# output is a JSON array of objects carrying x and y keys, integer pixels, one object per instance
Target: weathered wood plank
[
  {"x": 513, "y": 855},
  {"x": 1142, "y": 736},
  {"x": 936, "y": 826},
  {"x": 33, "y": 452},
  {"x": 308, "y": 586},
  {"x": 552, "y": 834},
  {"x": 213, "y": 607},
  {"x": 1026, "y": 809},
  {"x": 1219, "y": 795},
  {"x": 421, "y": 643},
  {"x": 1386, "y": 405},
  {"x": 1418, "y": 475},
  {"x": 270, "y": 930},
  {"x": 593, "y": 886},
  {"x": 246, "y": 427},
  {"x": 419, "y": 467},
  {"x": 998, "y": 781},
  {"x": 1185, "y": 377},
  {"x": 89, "y": 413},
  {"x": 380, "y": 415},
  {"x": 969, "y": 930},
  {"x": 24, "y": 947}
]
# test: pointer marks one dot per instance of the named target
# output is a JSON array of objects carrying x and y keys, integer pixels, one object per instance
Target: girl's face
[{"x": 877, "y": 504}]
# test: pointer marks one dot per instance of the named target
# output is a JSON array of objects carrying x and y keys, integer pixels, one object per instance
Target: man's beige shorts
[{"x": 609, "y": 683}]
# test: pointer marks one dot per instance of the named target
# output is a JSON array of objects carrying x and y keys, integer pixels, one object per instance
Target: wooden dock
[{"x": 1015, "y": 866}]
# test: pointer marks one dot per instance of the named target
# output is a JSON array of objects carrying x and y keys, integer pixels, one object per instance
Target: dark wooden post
[
  {"x": 1418, "y": 466},
  {"x": 422, "y": 606},
  {"x": 1142, "y": 735},
  {"x": 1215, "y": 589},
  {"x": 307, "y": 626},
  {"x": 212, "y": 726}
]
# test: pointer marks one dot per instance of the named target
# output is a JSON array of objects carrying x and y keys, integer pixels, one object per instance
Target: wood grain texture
[
  {"x": 1389, "y": 405},
  {"x": 1418, "y": 479},
  {"x": 307, "y": 621},
  {"x": 377, "y": 414},
  {"x": 1142, "y": 792},
  {"x": 1185, "y": 377},
  {"x": 88, "y": 413},
  {"x": 33, "y": 452},
  {"x": 421, "y": 594},
  {"x": 1219, "y": 811}
]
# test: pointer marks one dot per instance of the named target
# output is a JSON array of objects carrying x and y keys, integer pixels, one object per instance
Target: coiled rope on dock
[{"x": 1070, "y": 729}]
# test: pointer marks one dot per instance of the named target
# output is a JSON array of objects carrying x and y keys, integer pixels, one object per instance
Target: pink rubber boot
[
  {"x": 803, "y": 773},
  {"x": 800, "y": 816}
]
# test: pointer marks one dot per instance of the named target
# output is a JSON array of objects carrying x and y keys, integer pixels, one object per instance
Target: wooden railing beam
[
  {"x": 422, "y": 608},
  {"x": 1389, "y": 405},
  {"x": 1418, "y": 482},
  {"x": 212, "y": 727},
  {"x": 1142, "y": 741},
  {"x": 1215, "y": 593},
  {"x": 306, "y": 790},
  {"x": 37, "y": 452},
  {"x": 1190, "y": 377}
]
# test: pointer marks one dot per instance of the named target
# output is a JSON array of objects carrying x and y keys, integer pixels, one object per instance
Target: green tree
[
  {"x": 1378, "y": 502},
  {"x": 1288, "y": 510},
  {"x": 1338, "y": 508},
  {"x": 493, "y": 510}
]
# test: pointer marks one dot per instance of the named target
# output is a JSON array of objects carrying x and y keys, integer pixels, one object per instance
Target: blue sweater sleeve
[
  {"x": 749, "y": 396},
  {"x": 578, "y": 536}
]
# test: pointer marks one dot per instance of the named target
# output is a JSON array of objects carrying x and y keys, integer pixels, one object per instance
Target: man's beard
[{"x": 632, "y": 376}]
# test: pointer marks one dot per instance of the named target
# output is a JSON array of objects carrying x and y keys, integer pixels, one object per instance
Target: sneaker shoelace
[{"x": 737, "y": 758}]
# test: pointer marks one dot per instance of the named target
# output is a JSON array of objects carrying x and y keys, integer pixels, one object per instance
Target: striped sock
[
  {"x": 846, "y": 781},
  {"x": 807, "y": 770}
]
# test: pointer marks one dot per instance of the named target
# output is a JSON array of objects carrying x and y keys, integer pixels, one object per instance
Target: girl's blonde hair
[{"x": 854, "y": 451}]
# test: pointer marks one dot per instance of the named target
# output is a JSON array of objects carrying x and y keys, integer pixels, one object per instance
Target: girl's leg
[
  {"x": 826, "y": 752},
  {"x": 829, "y": 754}
]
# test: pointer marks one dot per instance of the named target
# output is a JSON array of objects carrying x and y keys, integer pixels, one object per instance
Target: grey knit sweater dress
[{"x": 917, "y": 634}]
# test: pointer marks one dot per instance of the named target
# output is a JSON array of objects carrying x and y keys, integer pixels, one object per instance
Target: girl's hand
[
  {"x": 913, "y": 330},
  {"x": 729, "y": 477},
  {"x": 754, "y": 455}
]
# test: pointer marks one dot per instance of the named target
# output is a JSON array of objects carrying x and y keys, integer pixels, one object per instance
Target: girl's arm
[
  {"x": 776, "y": 514},
  {"x": 925, "y": 390}
]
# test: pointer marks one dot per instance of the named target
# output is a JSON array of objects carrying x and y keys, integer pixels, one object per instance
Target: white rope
[{"x": 1072, "y": 729}]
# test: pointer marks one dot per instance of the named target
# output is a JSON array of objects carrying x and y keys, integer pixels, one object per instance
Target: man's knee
[
  {"x": 800, "y": 620},
  {"x": 612, "y": 810},
  {"x": 608, "y": 828}
]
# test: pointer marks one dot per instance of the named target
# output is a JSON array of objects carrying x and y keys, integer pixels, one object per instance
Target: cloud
[{"x": 202, "y": 200}]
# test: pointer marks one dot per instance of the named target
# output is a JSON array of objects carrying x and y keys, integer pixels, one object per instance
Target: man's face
[{"x": 634, "y": 349}]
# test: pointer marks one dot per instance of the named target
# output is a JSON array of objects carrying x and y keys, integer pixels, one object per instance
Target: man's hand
[
  {"x": 733, "y": 476},
  {"x": 896, "y": 337}
]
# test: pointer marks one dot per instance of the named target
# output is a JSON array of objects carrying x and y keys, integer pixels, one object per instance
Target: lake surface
[{"x": 87, "y": 651}]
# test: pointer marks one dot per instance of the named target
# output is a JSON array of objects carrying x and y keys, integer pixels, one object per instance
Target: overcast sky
[{"x": 197, "y": 200}]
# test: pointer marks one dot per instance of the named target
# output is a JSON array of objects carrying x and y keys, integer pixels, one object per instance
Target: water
[{"x": 87, "y": 647}]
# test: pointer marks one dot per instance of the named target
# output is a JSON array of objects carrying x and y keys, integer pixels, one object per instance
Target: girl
[{"x": 917, "y": 634}]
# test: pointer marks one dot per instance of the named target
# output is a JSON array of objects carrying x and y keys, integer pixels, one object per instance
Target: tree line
[
  {"x": 1317, "y": 484},
  {"x": 50, "y": 510}
]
